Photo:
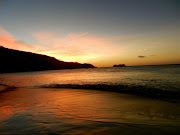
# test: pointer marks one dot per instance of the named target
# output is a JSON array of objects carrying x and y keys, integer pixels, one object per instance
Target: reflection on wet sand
[{"x": 74, "y": 111}]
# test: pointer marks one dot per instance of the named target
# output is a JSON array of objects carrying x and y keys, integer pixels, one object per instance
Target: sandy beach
[{"x": 80, "y": 111}]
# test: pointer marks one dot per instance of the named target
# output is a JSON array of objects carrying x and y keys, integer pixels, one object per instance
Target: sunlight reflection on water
[
  {"x": 74, "y": 111},
  {"x": 161, "y": 77}
]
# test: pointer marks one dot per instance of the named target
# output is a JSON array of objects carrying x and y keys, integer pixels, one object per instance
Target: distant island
[
  {"x": 20, "y": 61},
  {"x": 120, "y": 65}
]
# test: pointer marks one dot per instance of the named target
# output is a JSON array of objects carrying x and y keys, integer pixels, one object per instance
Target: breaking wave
[{"x": 173, "y": 96}]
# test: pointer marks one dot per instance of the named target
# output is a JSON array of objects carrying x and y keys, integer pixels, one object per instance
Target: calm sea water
[
  {"x": 36, "y": 103},
  {"x": 140, "y": 78},
  {"x": 166, "y": 77}
]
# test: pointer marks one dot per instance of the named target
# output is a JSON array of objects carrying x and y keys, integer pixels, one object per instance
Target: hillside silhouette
[{"x": 20, "y": 61}]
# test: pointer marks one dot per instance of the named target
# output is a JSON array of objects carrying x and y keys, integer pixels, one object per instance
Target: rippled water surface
[
  {"x": 165, "y": 77},
  {"x": 36, "y": 103},
  {"x": 74, "y": 111}
]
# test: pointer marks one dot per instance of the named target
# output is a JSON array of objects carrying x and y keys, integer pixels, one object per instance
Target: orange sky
[
  {"x": 101, "y": 33},
  {"x": 102, "y": 51}
]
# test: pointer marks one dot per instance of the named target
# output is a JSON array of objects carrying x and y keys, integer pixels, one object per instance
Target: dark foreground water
[
  {"x": 43, "y": 103},
  {"x": 74, "y": 111}
]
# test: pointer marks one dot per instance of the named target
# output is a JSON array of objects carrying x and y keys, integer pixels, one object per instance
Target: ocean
[{"x": 126, "y": 100}]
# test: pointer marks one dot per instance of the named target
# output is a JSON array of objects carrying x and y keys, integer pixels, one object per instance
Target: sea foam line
[{"x": 129, "y": 89}]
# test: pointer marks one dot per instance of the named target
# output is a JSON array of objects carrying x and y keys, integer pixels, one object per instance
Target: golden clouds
[
  {"x": 76, "y": 46},
  {"x": 7, "y": 40},
  {"x": 80, "y": 47}
]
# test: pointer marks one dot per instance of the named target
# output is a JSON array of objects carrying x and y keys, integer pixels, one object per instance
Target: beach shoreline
[{"x": 103, "y": 112}]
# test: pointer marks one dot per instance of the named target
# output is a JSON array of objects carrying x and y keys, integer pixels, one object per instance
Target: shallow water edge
[{"x": 80, "y": 111}]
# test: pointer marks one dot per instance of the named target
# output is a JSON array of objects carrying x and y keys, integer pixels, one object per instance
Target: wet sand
[
  {"x": 2, "y": 88},
  {"x": 80, "y": 111}
]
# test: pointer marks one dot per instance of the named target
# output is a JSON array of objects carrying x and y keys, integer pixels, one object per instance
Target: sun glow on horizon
[
  {"x": 102, "y": 34},
  {"x": 67, "y": 58},
  {"x": 95, "y": 49}
]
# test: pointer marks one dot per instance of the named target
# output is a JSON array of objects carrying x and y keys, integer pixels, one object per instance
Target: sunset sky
[{"x": 100, "y": 32}]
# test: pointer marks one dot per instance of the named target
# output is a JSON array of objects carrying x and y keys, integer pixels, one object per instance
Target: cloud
[
  {"x": 141, "y": 56},
  {"x": 7, "y": 40},
  {"x": 79, "y": 46}
]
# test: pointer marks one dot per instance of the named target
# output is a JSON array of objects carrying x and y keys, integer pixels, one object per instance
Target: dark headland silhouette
[
  {"x": 20, "y": 61},
  {"x": 120, "y": 65}
]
